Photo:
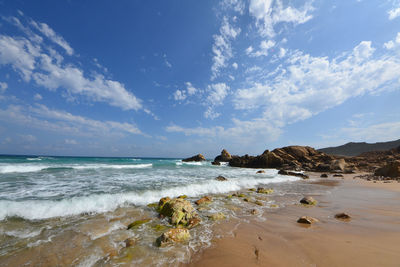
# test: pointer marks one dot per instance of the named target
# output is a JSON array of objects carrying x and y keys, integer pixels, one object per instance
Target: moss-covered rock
[
  {"x": 262, "y": 190},
  {"x": 179, "y": 211},
  {"x": 137, "y": 223},
  {"x": 217, "y": 216},
  {"x": 152, "y": 205},
  {"x": 183, "y": 197},
  {"x": 172, "y": 236},
  {"x": 259, "y": 203},
  {"x": 162, "y": 202},
  {"x": 129, "y": 242},
  {"x": 252, "y": 189},
  {"x": 159, "y": 227},
  {"x": 241, "y": 195},
  {"x": 309, "y": 201}
]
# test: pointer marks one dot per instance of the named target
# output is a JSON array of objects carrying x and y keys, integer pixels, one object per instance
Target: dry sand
[{"x": 370, "y": 238}]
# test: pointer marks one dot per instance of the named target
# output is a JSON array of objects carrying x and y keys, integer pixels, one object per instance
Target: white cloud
[
  {"x": 222, "y": 48},
  {"x": 309, "y": 85},
  {"x": 179, "y": 95},
  {"x": 27, "y": 138},
  {"x": 264, "y": 47},
  {"x": 53, "y": 36},
  {"x": 393, "y": 43},
  {"x": 217, "y": 93},
  {"x": 190, "y": 89},
  {"x": 268, "y": 13},
  {"x": 236, "y": 5},
  {"x": 3, "y": 87},
  {"x": 28, "y": 57},
  {"x": 43, "y": 118},
  {"x": 235, "y": 65},
  {"x": 249, "y": 50},
  {"x": 37, "y": 97},
  {"x": 394, "y": 13},
  {"x": 387, "y": 131}
]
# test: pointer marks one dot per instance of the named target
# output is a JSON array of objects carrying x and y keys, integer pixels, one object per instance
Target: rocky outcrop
[
  {"x": 223, "y": 157},
  {"x": 297, "y": 174},
  {"x": 172, "y": 236},
  {"x": 198, "y": 157},
  {"x": 391, "y": 169},
  {"x": 180, "y": 211}
]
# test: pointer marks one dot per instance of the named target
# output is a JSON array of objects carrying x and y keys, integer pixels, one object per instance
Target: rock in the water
[
  {"x": 324, "y": 175},
  {"x": 254, "y": 211},
  {"x": 203, "y": 200},
  {"x": 307, "y": 220},
  {"x": 259, "y": 203},
  {"x": 263, "y": 190},
  {"x": 337, "y": 175},
  {"x": 221, "y": 178},
  {"x": 391, "y": 169},
  {"x": 297, "y": 174},
  {"x": 224, "y": 157},
  {"x": 180, "y": 211},
  {"x": 198, "y": 157},
  {"x": 217, "y": 163},
  {"x": 183, "y": 196},
  {"x": 172, "y": 236},
  {"x": 261, "y": 171},
  {"x": 308, "y": 201},
  {"x": 217, "y": 216},
  {"x": 343, "y": 216},
  {"x": 130, "y": 242},
  {"x": 138, "y": 223},
  {"x": 162, "y": 202},
  {"x": 193, "y": 222}
]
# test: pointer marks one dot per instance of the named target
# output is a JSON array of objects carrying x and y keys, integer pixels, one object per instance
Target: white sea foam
[
  {"x": 195, "y": 163},
  {"x": 42, "y": 209},
  {"x": 21, "y": 168},
  {"x": 33, "y": 159}
]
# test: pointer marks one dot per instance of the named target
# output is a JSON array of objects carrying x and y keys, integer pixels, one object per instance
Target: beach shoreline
[{"x": 369, "y": 238}]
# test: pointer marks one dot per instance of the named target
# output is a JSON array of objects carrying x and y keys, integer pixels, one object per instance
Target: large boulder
[
  {"x": 338, "y": 165},
  {"x": 198, "y": 157},
  {"x": 224, "y": 157},
  {"x": 391, "y": 169},
  {"x": 172, "y": 236},
  {"x": 180, "y": 211}
]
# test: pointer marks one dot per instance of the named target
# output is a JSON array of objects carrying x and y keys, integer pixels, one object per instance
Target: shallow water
[{"x": 75, "y": 211}]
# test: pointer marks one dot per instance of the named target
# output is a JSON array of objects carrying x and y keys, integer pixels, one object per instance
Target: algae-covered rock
[
  {"x": 241, "y": 195},
  {"x": 252, "y": 189},
  {"x": 308, "y": 201},
  {"x": 130, "y": 242},
  {"x": 172, "y": 236},
  {"x": 179, "y": 211},
  {"x": 204, "y": 200},
  {"x": 217, "y": 216},
  {"x": 229, "y": 196},
  {"x": 307, "y": 220},
  {"x": 183, "y": 196},
  {"x": 193, "y": 222},
  {"x": 162, "y": 202},
  {"x": 138, "y": 223},
  {"x": 262, "y": 190},
  {"x": 152, "y": 205},
  {"x": 258, "y": 202},
  {"x": 159, "y": 227}
]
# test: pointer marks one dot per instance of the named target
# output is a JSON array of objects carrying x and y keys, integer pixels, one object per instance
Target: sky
[{"x": 173, "y": 78}]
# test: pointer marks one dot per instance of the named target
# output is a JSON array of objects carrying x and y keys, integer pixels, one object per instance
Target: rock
[
  {"x": 217, "y": 163},
  {"x": 338, "y": 165},
  {"x": 337, "y": 175},
  {"x": 162, "y": 202},
  {"x": 262, "y": 190},
  {"x": 159, "y": 227},
  {"x": 152, "y": 205},
  {"x": 198, "y": 157},
  {"x": 180, "y": 211},
  {"x": 252, "y": 189},
  {"x": 343, "y": 216},
  {"x": 391, "y": 169},
  {"x": 321, "y": 167},
  {"x": 297, "y": 174},
  {"x": 254, "y": 212},
  {"x": 193, "y": 222},
  {"x": 183, "y": 197},
  {"x": 224, "y": 157},
  {"x": 308, "y": 201},
  {"x": 137, "y": 223},
  {"x": 258, "y": 202},
  {"x": 172, "y": 236},
  {"x": 241, "y": 195},
  {"x": 261, "y": 171},
  {"x": 324, "y": 175},
  {"x": 307, "y": 220},
  {"x": 221, "y": 178},
  {"x": 203, "y": 200},
  {"x": 130, "y": 242},
  {"x": 217, "y": 216}
]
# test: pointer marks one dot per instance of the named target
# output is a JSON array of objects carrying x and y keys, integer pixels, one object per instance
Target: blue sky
[{"x": 176, "y": 78}]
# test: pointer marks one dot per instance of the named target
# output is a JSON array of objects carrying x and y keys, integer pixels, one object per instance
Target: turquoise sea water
[{"x": 33, "y": 187}]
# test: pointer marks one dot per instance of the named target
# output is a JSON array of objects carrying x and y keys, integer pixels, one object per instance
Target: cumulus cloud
[
  {"x": 394, "y": 13},
  {"x": 222, "y": 48},
  {"x": 37, "y": 97},
  {"x": 180, "y": 95},
  {"x": 42, "y": 117},
  {"x": 263, "y": 50},
  {"x": 3, "y": 87},
  {"x": 216, "y": 95},
  {"x": 35, "y": 60}
]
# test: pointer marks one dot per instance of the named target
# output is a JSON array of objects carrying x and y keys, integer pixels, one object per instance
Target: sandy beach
[{"x": 369, "y": 238}]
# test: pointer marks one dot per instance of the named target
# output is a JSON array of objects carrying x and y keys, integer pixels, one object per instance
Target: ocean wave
[
  {"x": 43, "y": 209},
  {"x": 22, "y": 168},
  {"x": 194, "y": 163},
  {"x": 33, "y": 159}
]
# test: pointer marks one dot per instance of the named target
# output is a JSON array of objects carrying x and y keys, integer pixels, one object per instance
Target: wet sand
[{"x": 370, "y": 238}]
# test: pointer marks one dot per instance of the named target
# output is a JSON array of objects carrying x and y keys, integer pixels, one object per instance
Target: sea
[{"x": 74, "y": 211}]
